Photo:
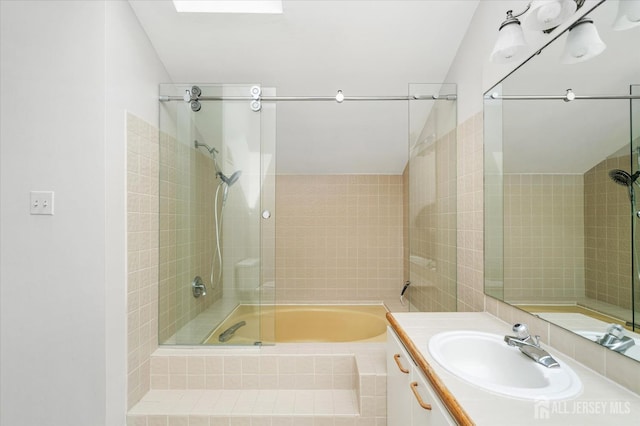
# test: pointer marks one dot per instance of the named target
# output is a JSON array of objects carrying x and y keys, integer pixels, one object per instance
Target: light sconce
[
  {"x": 628, "y": 15},
  {"x": 583, "y": 42},
  {"x": 542, "y": 16},
  {"x": 510, "y": 41}
]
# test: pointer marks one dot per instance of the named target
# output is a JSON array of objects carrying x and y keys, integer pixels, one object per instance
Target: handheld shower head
[
  {"x": 231, "y": 179},
  {"x": 623, "y": 178}
]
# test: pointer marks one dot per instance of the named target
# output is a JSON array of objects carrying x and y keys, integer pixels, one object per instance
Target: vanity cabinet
[{"x": 410, "y": 398}]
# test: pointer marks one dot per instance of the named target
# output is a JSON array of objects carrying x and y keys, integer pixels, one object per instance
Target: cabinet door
[
  {"x": 426, "y": 407},
  {"x": 399, "y": 367}
]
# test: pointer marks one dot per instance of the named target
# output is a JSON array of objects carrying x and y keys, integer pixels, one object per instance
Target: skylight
[{"x": 228, "y": 6}]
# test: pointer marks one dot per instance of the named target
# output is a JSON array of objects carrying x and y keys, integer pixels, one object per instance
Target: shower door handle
[{"x": 266, "y": 214}]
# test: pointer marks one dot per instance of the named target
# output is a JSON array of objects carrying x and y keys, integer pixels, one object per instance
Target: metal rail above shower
[
  {"x": 194, "y": 96},
  {"x": 166, "y": 98},
  {"x": 567, "y": 97}
]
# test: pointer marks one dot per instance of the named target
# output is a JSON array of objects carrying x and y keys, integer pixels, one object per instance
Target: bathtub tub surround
[
  {"x": 600, "y": 401},
  {"x": 286, "y": 384},
  {"x": 282, "y": 384}
]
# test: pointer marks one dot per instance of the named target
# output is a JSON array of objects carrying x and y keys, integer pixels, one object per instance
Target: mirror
[{"x": 560, "y": 189}]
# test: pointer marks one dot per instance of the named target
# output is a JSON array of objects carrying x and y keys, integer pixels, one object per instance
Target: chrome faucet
[
  {"x": 530, "y": 346},
  {"x": 229, "y": 332},
  {"x": 615, "y": 339}
]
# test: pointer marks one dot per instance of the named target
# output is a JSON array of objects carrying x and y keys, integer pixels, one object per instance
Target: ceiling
[{"x": 362, "y": 47}]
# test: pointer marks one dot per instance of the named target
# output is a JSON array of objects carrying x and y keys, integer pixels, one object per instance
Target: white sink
[
  {"x": 486, "y": 361},
  {"x": 632, "y": 352}
]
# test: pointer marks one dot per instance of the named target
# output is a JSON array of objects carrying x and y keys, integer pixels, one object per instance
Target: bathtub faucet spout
[{"x": 229, "y": 332}]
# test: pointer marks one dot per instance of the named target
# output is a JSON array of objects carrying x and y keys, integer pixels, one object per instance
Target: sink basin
[
  {"x": 486, "y": 361},
  {"x": 632, "y": 352}
]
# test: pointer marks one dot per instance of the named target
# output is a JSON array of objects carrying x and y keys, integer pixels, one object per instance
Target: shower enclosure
[
  {"x": 217, "y": 195},
  {"x": 217, "y": 210},
  {"x": 431, "y": 192}
]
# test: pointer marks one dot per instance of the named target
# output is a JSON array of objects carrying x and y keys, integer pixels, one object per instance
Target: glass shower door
[
  {"x": 635, "y": 241},
  {"x": 213, "y": 169},
  {"x": 431, "y": 176}
]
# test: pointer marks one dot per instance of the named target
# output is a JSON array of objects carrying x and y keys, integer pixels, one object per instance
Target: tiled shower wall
[
  {"x": 544, "y": 238},
  {"x": 607, "y": 235},
  {"x": 154, "y": 260},
  {"x": 568, "y": 236},
  {"x": 142, "y": 253},
  {"x": 432, "y": 225},
  {"x": 339, "y": 238},
  {"x": 186, "y": 233},
  {"x": 470, "y": 227}
]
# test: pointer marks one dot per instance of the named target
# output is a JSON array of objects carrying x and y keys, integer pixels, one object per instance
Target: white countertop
[{"x": 602, "y": 402}]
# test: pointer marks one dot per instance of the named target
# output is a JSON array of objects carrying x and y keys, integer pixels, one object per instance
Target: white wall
[
  {"x": 133, "y": 72},
  {"x": 52, "y": 268},
  {"x": 68, "y": 71}
]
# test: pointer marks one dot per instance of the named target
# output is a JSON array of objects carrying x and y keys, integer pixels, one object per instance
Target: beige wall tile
[
  {"x": 338, "y": 237},
  {"x": 142, "y": 253},
  {"x": 543, "y": 239},
  {"x": 470, "y": 228}
]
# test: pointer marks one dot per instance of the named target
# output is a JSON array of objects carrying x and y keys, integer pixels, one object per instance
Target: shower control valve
[{"x": 198, "y": 288}]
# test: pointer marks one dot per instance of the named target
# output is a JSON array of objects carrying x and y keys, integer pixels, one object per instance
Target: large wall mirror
[{"x": 562, "y": 194}]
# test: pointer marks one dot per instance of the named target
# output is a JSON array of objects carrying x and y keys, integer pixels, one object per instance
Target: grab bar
[{"x": 229, "y": 332}]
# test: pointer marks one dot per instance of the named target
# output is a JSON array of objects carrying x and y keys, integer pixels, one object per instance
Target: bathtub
[{"x": 303, "y": 323}]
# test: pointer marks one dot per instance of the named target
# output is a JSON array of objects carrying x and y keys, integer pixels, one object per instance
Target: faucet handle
[
  {"x": 616, "y": 330},
  {"x": 521, "y": 330}
]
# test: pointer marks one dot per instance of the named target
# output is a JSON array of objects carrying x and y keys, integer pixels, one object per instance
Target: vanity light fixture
[
  {"x": 510, "y": 43},
  {"x": 628, "y": 15},
  {"x": 583, "y": 42},
  {"x": 544, "y": 15},
  {"x": 541, "y": 16}
]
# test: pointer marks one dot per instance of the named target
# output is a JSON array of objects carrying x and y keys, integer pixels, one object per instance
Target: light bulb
[
  {"x": 583, "y": 42},
  {"x": 547, "y": 14},
  {"x": 628, "y": 15},
  {"x": 510, "y": 42}
]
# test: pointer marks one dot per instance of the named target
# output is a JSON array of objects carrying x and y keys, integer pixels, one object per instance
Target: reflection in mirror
[{"x": 561, "y": 186}]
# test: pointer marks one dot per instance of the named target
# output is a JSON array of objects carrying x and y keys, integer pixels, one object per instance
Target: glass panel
[
  {"x": 493, "y": 198},
  {"x": 635, "y": 168},
  {"x": 431, "y": 228},
  {"x": 211, "y": 174},
  {"x": 267, "y": 292}
]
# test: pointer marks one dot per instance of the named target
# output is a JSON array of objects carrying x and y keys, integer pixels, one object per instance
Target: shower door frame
[{"x": 234, "y": 132}]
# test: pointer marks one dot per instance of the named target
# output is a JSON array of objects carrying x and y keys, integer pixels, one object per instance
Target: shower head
[
  {"x": 231, "y": 179},
  {"x": 212, "y": 149},
  {"x": 623, "y": 178}
]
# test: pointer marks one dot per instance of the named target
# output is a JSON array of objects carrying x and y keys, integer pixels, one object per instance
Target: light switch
[{"x": 41, "y": 202}]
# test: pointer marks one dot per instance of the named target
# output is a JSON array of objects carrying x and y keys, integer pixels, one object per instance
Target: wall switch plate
[{"x": 41, "y": 202}]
